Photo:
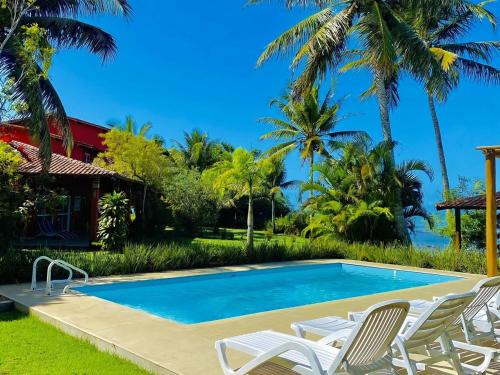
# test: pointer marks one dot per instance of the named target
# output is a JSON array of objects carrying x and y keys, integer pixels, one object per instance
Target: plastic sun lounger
[
  {"x": 429, "y": 329},
  {"x": 366, "y": 349},
  {"x": 478, "y": 319}
]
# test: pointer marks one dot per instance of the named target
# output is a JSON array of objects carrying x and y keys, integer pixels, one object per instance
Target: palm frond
[
  {"x": 296, "y": 35},
  {"x": 70, "y": 33},
  {"x": 477, "y": 71}
]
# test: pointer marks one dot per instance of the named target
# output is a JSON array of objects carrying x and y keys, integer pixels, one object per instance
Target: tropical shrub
[
  {"x": 15, "y": 265},
  {"x": 292, "y": 224},
  {"x": 356, "y": 194},
  {"x": 114, "y": 221}
]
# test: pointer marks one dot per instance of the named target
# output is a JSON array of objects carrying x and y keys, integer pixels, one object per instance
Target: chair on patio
[
  {"x": 478, "y": 319},
  {"x": 47, "y": 230},
  {"x": 423, "y": 333},
  {"x": 366, "y": 349}
]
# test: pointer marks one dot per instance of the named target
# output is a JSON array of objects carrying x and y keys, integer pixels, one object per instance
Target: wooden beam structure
[
  {"x": 491, "y": 153},
  {"x": 458, "y": 230}
]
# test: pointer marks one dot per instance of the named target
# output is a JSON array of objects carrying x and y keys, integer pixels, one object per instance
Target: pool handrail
[
  {"x": 61, "y": 263},
  {"x": 34, "y": 272}
]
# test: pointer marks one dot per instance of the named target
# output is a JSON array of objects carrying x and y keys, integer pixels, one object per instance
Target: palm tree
[
  {"x": 130, "y": 126},
  {"x": 200, "y": 152},
  {"x": 275, "y": 182},
  {"x": 308, "y": 126},
  {"x": 412, "y": 197},
  {"x": 442, "y": 32},
  {"x": 243, "y": 175},
  {"x": 356, "y": 193},
  {"x": 339, "y": 208},
  {"x": 384, "y": 38},
  {"x": 62, "y": 29}
]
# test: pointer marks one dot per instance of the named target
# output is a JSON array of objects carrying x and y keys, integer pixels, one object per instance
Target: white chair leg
[
  {"x": 407, "y": 363},
  {"x": 299, "y": 332},
  {"x": 220, "y": 347}
]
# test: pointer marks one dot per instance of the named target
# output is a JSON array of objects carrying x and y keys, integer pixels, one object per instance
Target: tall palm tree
[
  {"x": 308, "y": 126},
  {"x": 130, "y": 126},
  {"x": 62, "y": 29},
  {"x": 443, "y": 32},
  {"x": 275, "y": 182},
  {"x": 384, "y": 38}
]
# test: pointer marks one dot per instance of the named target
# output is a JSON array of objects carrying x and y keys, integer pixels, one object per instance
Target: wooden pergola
[
  {"x": 477, "y": 202},
  {"x": 489, "y": 202}
]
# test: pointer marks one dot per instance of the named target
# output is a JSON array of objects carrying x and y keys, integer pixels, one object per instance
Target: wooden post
[
  {"x": 458, "y": 230},
  {"x": 491, "y": 214},
  {"x": 94, "y": 208}
]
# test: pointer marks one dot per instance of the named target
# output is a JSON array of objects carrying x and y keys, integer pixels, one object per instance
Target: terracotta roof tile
[{"x": 60, "y": 165}]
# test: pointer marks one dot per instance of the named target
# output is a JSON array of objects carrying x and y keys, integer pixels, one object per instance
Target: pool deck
[{"x": 166, "y": 347}]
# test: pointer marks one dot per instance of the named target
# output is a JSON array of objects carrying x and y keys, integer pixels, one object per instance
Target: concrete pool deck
[{"x": 167, "y": 347}]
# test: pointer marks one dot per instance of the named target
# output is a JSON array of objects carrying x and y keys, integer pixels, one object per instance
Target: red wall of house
[{"x": 86, "y": 137}]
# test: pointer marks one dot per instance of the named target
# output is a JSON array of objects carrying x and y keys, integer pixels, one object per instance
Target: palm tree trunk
[
  {"x": 439, "y": 143},
  {"x": 383, "y": 105},
  {"x": 250, "y": 222},
  {"x": 311, "y": 172},
  {"x": 273, "y": 215},
  {"x": 143, "y": 218}
]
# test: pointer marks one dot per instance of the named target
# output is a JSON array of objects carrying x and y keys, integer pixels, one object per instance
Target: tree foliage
[
  {"x": 198, "y": 151},
  {"x": 308, "y": 126},
  {"x": 243, "y": 175},
  {"x": 134, "y": 156},
  {"x": 355, "y": 194},
  {"x": 192, "y": 202},
  {"x": 114, "y": 221},
  {"x": 11, "y": 194},
  {"x": 26, "y": 55}
]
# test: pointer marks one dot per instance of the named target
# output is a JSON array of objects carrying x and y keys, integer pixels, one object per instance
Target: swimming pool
[{"x": 196, "y": 299}]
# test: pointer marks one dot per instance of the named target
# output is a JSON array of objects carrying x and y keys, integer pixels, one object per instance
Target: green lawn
[
  {"x": 239, "y": 237},
  {"x": 29, "y": 346}
]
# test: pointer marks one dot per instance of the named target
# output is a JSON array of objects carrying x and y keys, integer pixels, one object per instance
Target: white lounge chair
[
  {"x": 366, "y": 349},
  {"x": 429, "y": 329},
  {"x": 478, "y": 319}
]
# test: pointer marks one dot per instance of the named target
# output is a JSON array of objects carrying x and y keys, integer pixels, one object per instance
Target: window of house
[{"x": 87, "y": 158}]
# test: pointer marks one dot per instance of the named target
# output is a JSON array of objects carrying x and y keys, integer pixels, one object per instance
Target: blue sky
[{"x": 185, "y": 65}]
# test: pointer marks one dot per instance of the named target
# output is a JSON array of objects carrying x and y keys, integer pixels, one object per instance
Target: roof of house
[
  {"x": 470, "y": 203},
  {"x": 59, "y": 165}
]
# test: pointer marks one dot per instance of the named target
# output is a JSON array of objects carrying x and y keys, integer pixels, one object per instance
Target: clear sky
[{"x": 184, "y": 65}]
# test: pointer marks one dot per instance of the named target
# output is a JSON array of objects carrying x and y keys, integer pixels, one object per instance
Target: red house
[
  {"x": 82, "y": 182},
  {"x": 86, "y": 140}
]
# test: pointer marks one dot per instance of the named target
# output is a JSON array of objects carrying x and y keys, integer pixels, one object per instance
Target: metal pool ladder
[{"x": 49, "y": 286}]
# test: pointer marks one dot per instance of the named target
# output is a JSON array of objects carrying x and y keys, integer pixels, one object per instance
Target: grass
[
  {"x": 30, "y": 346},
  {"x": 209, "y": 250},
  {"x": 15, "y": 265},
  {"x": 239, "y": 237}
]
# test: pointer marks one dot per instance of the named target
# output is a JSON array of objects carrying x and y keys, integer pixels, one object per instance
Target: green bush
[
  {"x": 113, "y": 221},
  {"x": 291, "y": 224},
  {"x": 15, "y": 265}
]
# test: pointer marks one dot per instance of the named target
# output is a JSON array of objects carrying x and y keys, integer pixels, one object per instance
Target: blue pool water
[{"x": 197, "y": 299}]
